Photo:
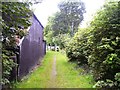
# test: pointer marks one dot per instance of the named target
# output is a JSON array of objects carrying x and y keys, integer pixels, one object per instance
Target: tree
[
  {"x": 69, "y": 17},
  {"x": 65, "y": 22},
  {"x": 48, "y": 32},
  {"x": 73, "y": 12}
]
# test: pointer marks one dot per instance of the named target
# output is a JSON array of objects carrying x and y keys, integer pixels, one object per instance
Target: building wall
[{"x": 32, "y": 48}]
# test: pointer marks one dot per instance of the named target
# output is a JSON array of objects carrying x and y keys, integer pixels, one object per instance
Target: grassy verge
[
  {"x": 41, "y": 76},
  {"x": 70, "y": 77},
  {"x": 67, "y": 76}
]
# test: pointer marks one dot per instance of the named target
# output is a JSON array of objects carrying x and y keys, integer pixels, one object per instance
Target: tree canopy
[
  {"x": 67, "y": 20},
  {"x": 71, "y": 15}
]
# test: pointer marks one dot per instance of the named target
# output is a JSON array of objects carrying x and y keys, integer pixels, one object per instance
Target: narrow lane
[
  {"x": 56, "y": 72},
  {"x": 53, "y": 74}
]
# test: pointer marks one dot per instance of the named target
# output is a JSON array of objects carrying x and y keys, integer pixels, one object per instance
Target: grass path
[
  {"x": 53, "y": 74},
  {"x": 56, "y": 72}
]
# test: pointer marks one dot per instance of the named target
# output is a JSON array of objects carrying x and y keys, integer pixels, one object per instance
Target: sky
[{"x": 48, "y": 8}]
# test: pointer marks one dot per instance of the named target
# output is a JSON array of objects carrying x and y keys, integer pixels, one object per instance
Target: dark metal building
[{"x": 32, "y": 48}]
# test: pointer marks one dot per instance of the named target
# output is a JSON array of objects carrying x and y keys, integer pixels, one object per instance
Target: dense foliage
[
  {"x": 69, "y": 17},
  {"x": 15, "y": 18},
  {"x": 99, "y": 46},
  {"x": 77, "y": 47}
]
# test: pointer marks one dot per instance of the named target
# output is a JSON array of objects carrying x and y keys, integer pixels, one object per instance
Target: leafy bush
[
  {"x": 15, "y": 15},
  {"x": 105, "y": 54},
  {"x": 99, "y": 44},
  {"x": 78, "y": 49},
  {"x": 109, "y": 83},
  {"x": 8, "y": 64}
]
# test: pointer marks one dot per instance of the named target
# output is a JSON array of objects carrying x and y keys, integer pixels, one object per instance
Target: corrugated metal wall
[{"x": 32, "y": 48}]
